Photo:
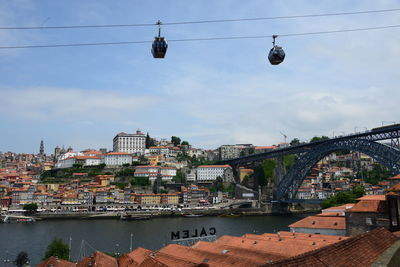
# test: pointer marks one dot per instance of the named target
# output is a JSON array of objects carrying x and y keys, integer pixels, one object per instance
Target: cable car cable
[
  {"x": 205, "y": 39},
  {"x": 200, "y": 21}
]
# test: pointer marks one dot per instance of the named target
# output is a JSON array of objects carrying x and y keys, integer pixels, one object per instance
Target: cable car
[
  {"x": 276, "y": 54},
  {"x": 159, "y": 46}
]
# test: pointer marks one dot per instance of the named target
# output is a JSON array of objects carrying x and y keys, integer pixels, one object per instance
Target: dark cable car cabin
[
  {"x": 159, "y": 46},
  {"x": 276, "y": 54}
]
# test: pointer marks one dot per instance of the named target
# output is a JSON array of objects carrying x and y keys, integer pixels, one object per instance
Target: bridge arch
[{"x": 387, "y": 156}]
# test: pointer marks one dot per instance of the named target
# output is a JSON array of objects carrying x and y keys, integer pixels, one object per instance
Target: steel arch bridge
[
  {"x": 310, "y": 153},
  {"x": 386, "y": 155}
]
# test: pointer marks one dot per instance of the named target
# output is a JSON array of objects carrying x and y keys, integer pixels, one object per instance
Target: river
[{"x": 112, "y": 235}]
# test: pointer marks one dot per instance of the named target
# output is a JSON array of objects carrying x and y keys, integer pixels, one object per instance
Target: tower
[{"x": 41, "y": 151}]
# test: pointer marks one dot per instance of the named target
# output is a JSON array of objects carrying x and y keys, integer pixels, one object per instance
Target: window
[{"x": 368, "y": 221}]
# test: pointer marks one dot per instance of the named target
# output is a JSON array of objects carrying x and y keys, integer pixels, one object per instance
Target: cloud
[{"x": 66, "y": 104}]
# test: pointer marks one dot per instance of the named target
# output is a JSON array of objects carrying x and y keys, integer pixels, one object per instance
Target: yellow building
[
  {"x": 171, "y": 199},
  {"x": 149, "y": 199},
  {"x": 153, "y": 160}
]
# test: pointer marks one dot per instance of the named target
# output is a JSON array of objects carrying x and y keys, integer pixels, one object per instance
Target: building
[
  {"x": 211, "y": 172},
  {"x": 152, "y": 172},
  {"x": 194, "y": 194},
  {"x": 368, "y": 213},
  {"x": 228, "y": 152},
  {"x": 130, "y": 143},
  {"x": 325, "y": 224},
  {"x": 117, "y": 158}
]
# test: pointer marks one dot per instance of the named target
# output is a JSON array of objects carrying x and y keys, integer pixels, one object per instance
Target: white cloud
[{"x": 64, "y": 104}]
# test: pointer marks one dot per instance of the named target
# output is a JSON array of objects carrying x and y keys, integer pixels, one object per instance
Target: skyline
[{"x": 207, "y": 93}]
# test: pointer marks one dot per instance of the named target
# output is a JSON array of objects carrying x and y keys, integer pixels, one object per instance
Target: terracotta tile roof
[
  {"x": 98, "y": 259},
  {"x": 339, "y": 208},
  {"x": 369, "y": 206},
  {"x": 214, "y": 166},
  {"x": 160, "y": 259},
  {"x": 358, "y": 251},
  {"x": 396, "y": 187},
  {"x": 397, "y": 177},
  {"x": 237, "y": 251},
  {"x": 316, "y": 222},
  {"x": 139, "y": 254},
  {"x": 211, "y": 258},
  {"x": 117, "y": 153},
  {"x": 288, "y": 249},
  {"x": 55, "y": 262},
  {"x": 373, "y": 197}
]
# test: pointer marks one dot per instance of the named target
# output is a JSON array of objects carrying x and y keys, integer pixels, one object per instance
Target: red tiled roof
[
  {"x": 214, "y": 166},
  {"x": 317, "y": 222},
  {"x": 369, "y": 206},
  {"x": 397, "y": 177},
  {"x": 55, "y": 262},
  {"x": 98, "y": 259},
  {"x": 358, "y": 251},
  {"x": 373, "y": 197}
]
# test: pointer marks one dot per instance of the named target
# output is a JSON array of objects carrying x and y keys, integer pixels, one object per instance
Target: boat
[
  {"x": 130, "y": 217},
  {"x": 18, "y": 219}
]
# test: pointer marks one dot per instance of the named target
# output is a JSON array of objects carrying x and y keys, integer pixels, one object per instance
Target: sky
[{"x": 209, "y": 93}]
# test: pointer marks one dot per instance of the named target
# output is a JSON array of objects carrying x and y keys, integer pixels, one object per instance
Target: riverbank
[{"x": 151, "y": 214}]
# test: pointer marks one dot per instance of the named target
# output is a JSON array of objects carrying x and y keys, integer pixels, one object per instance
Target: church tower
[{"x": 41, "y": 151}]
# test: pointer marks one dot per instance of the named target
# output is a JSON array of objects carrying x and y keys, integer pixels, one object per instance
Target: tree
[
  {"x": 295, "y": 142},
  {"x": 175, "y": 140},
  {"x": 21, "y": 259},
  {"x": 185, "y": 143},
  {"x": 30, "y": 208},
  {"x": 149, "y": 141},
  {"x": 179, "y": 177},
  {"x": 318, "y": 138},
  {"x": 57, "y": 248}
]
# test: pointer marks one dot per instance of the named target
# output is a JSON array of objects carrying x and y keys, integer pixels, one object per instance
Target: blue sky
[{"x": 209, "y": 93}]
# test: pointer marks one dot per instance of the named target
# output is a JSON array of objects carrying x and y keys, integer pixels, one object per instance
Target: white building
[
  {"x": 130, "y": 143},
  {"x": 211, "y": 172},
  {"x": 117, "y": 158},
  {"x": 191, "y": 177},
  {"x": 81, "y": 160},
  {"x": 166, "y": 173}
]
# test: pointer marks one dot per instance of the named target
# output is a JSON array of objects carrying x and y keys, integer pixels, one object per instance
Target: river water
[{"x": 112, "y": 235}]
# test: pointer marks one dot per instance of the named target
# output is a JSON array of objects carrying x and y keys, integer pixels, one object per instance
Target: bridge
[{"x": 368, "y": 142}]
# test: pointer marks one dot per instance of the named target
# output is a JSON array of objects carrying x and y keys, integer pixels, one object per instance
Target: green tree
[
  {"x": 21, "y": 259},
  {"x": 175, "y": 140},
  {"x": 295, "y": 142},
  {"x": 140, "y": 181},
  {"x": 185, "y": 143},
  {"x": 377, "y": 174},
  {"x": 30, "y": 208},
  {"x": 344, "y": 197},
  {"x": 288, "y": 161},
  {"x": 180, "y": 177},
  {"x": 149, "y": 141},
  {"x": 268, "y": 166},
  {"x": 319, "y": 138},
  {"x": 57, "y": 248}
]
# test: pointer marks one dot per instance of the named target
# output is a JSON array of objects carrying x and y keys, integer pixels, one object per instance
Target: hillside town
[{"x": 141, "y": 171}]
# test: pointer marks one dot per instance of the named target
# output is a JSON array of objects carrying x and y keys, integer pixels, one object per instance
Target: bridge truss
[{"x": 310, "y": 153}]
